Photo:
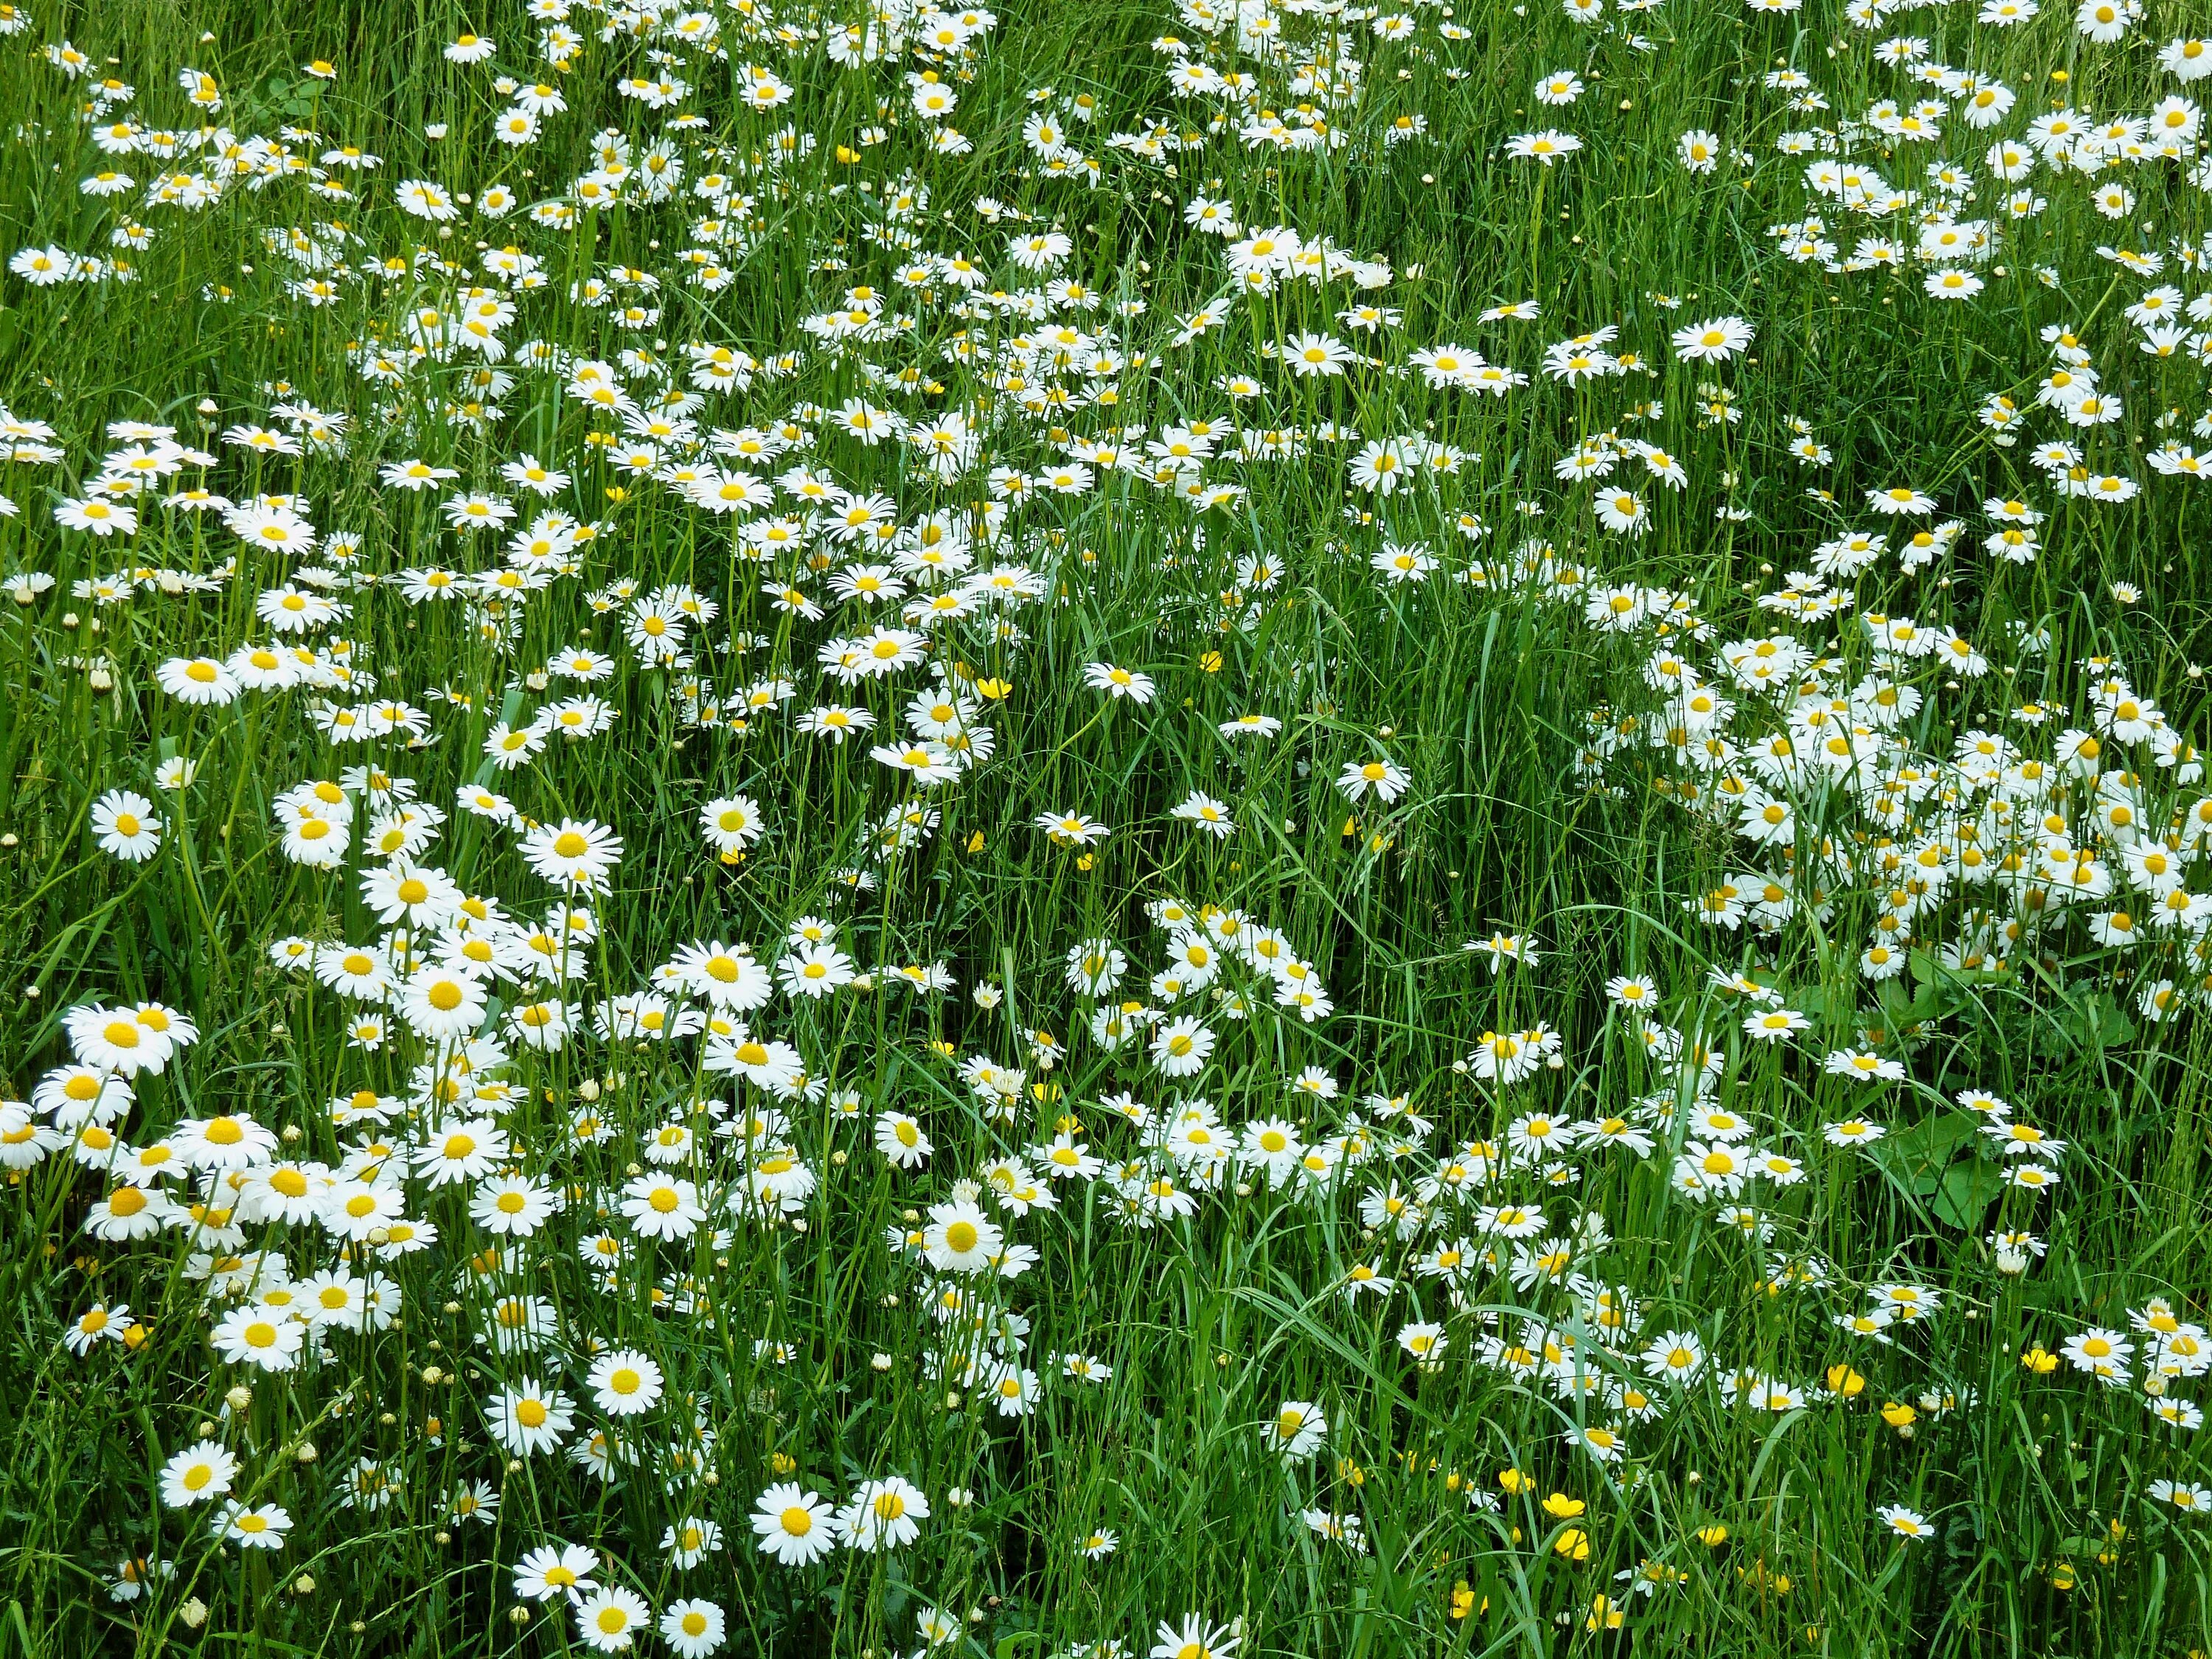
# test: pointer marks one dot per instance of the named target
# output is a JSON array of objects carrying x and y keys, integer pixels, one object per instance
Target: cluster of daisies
[{"x": 381, "y": 648}]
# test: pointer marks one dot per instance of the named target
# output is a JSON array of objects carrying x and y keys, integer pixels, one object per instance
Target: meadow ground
[{"x": 1178, "y": 827}]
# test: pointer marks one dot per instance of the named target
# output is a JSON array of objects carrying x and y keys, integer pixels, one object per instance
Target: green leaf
[
  {"x": 1896, "y": 1003},
  {"x": 1918, "y": 1156},
  {"x": 1813, "y": 1001},
  {"x": 2099, "y": 1023},
  {"x": 1968, "y": 1188},
  {"x": 1931, "y": 973}
]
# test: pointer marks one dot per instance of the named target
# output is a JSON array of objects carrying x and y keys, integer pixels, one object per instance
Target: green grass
[{"x": 1543, "y": 800}]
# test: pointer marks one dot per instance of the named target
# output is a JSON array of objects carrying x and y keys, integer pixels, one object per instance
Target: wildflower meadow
[{"x": 1105, "y": 829}]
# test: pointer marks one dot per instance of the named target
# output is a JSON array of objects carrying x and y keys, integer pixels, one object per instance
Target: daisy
[
  {"x": 1774, "y": 1025},
  {"x": 1622, "y": 511},
  {"x": 795, "y": 1526},
  {"x": 200, "y": 681},
  {"x": 116, "y": 1040},
  {"x": 901, "y": 1141},
  {"x": 1380, "y": 778},
  {"x": 1119, "y": 682},
  {"x": 578, "y": 854},
  {"x": 1908, "y": 1526},
  {"x": 1606, "y": 1445},
  {"x": 526, "y": 1418},
  {"x": 97, "y": 1323},
  {"x": 1195, "y": 1640},
  {"x": 442, "y": 1004},
  {"x": 693, "y": 1627},
  {"x": 1296, "y": 1429},
  {"x": 1072, "y": 828},
  {"x": 731, "y": 823},
  {"x": 727, "y": 976},
  {"x": 662, "y": 1206},
  {"x": 1322, "y": 355},
  {"x": 882, "y": 1514},
  {"x": 1900, "y": 501},
  {"x": 262, "y": 1528},
  {"x": 254, "y": 1336},
  {"x": 125, "y": 826},
  {"x": 553, "y": 1570},
  {"x": 611, "y": 1617},
  {"x": 2185, "y": 1496},
  {"x": 1712, "y": 341},
  {"x": 1674, "y": 1357},
  {"x": 1862, "y": 1066},
  {"x": 1182, "y": 1047},
  {"x": 960, "y": 1238},
  {"x": 201, "y": 1472},
  {"x": 623, "y": 1383},
  {"x": 1207, "y": 813}
]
